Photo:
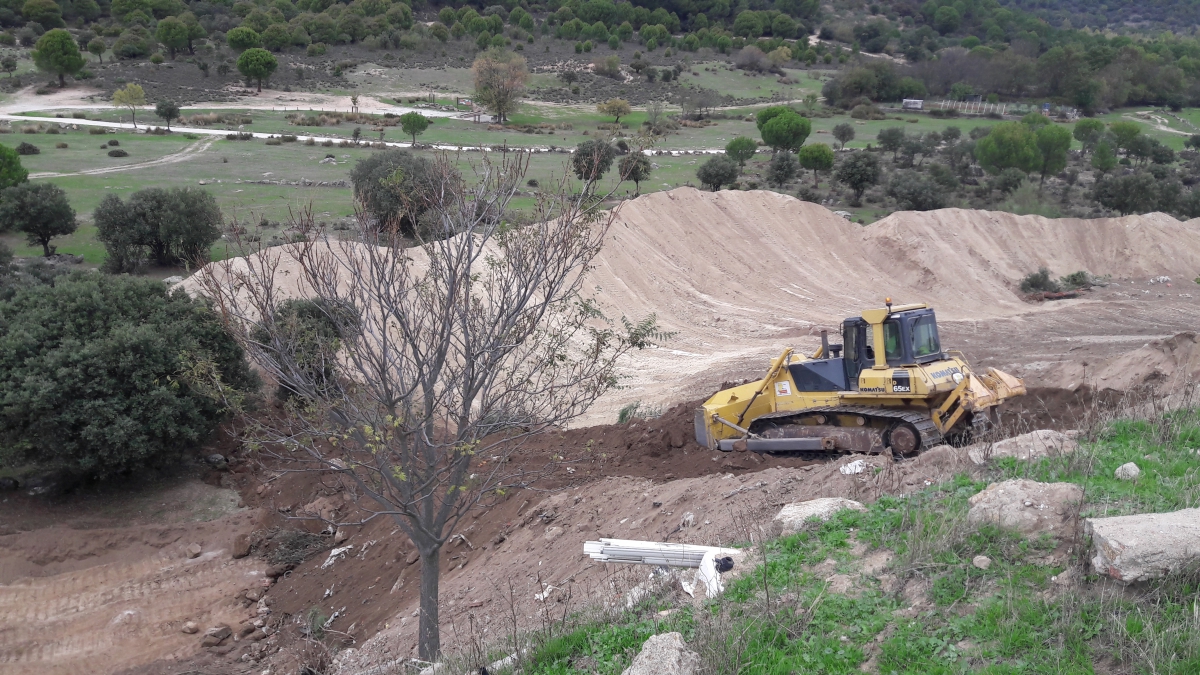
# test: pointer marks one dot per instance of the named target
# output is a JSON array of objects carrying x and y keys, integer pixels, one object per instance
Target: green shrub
[
  {"x": 97, "y": 131},
  {"x": 118, "y": 153},
  {"x": 156, "y": 58},
  {"x": 28, "y": 149},
  {"x": 91, "y": 373},
  {"x": 1040, "y": 280}
]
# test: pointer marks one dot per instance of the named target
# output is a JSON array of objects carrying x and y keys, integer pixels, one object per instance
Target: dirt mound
[
  {"x": 738, "y": 276},
  {"x": 1163, "y": 364}
]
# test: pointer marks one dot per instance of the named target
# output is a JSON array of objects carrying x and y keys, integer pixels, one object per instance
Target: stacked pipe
[{"x": 650, "y": 552}]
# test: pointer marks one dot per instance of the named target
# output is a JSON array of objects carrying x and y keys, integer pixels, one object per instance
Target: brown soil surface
[{"x": 100, "y": 584}]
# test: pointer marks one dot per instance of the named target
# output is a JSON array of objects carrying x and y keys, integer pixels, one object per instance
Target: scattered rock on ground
[
  {"x": 981, "y": 561},
  {"x": 1145, "y": 546},
  {"x": 1040, "y": 443},
  {"x": 1027, "y": 506},
  {"x": 190, "y": 628},
  {"x": 194, "y": 551},
  {"x": 791, "y": 518},
  {"x": 1127, "y": 471},
  {"x": 216, "y": 635},
  {"x": 217, "y": 461},
  {"x": 241, "y": 546},
  {"x": 171, "y": 281},
  {"x": 664, "y": 654}
]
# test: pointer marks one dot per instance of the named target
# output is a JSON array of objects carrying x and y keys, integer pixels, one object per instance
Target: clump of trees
[
  {"x": 75, "y": 397},
  {"x": 167, "y": 226},
  {"x": 393, "y": 186}
]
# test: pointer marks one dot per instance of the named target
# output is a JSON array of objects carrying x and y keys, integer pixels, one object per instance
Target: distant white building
[{"x": 914, "y": 104}]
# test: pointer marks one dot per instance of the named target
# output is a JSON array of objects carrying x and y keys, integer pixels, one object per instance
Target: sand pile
[
  {"x": 1165, "y": 364},
  {"x": 738, "y": 276}
]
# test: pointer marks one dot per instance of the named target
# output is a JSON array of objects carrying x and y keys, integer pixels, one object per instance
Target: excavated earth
[{"x": 101, "y": 581}]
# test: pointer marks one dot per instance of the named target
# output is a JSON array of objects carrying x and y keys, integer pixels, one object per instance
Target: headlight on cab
[{"x": 958, "y": 378}]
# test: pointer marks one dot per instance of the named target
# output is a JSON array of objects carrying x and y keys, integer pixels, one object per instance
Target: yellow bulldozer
[{"x": 888, "y": 386}]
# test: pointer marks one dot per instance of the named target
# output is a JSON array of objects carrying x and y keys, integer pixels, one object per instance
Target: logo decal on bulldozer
[{"x": 783, "y": 388}]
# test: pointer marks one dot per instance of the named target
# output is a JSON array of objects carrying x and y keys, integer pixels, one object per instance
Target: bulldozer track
[{"x": 930, "y": 436}]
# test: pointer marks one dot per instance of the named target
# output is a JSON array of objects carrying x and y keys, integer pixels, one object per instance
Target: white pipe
[{"x": 651, "y": 552}]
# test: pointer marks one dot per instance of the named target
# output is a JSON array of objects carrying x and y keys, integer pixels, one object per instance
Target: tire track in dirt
[
  {"x": 185, "y": 154},
  {"x": 115, "y": 616}
]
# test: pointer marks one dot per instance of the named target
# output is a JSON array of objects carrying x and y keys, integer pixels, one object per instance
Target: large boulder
[
  {"x": 1035, "y": 444},
  {"x": 664, "y": 654},
  {"x": 1027, "y": 506},
  {"x": 791, "y": 518},
  {"x": 1145, "y": 546}
]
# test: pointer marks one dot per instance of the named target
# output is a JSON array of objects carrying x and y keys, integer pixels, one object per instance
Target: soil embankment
[{"x": 737, "y": 276}]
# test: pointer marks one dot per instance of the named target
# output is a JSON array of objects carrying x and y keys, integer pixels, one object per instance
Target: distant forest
[{"x": 1180, "y": 16}]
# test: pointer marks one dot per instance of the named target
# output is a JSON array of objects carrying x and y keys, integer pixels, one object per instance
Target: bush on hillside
[
  {"x": 1040, "y": 280},
  {"x": 91, "y": 373}
]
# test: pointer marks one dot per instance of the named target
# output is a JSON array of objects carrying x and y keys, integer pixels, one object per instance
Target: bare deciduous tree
[{"x": 437, "y": 362}]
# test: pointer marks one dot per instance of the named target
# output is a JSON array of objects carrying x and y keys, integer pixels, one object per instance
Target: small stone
[
  {"x": 412, "y": 558},
  {"x": 190, "y": 628},
  {"x": 257, "y": 635},
  {"x": 340, "y": 537},
  {"x": 246, "y": 630},
  {"x": 241, "y": 546},
  {"x": 981, "y": 561},
  {"x": 194, "y": 551},
  {"x": 210, "y": 641},
  {"x": 1127, "y": 471},
  {"x": 217, "y": 461}
]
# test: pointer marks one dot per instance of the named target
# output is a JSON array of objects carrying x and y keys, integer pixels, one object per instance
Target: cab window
[
  {"x": 925, "y": 337},
  {"x": 891, "y": 341},
  {"x": 893, "y": 350}
]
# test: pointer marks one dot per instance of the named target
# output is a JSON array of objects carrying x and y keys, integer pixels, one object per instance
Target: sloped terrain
[{"x": 736, "y": 276}]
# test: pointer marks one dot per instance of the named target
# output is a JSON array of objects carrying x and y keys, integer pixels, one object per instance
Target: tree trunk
[
  {"x": 133, "y": 116},
  {"x": 46, "y": 247},
  {"x": 815, "y": 183},
  {"x": 429, "y": 639},
  {"x": 260, "y": 86},
  {"x": 62, "y": 80}
]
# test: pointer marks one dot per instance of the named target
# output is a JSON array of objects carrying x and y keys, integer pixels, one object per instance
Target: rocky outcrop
[
  {"x": 1145, "y": 546},
  {"x": 1027, "y": 506},
  {"x": 791, "y": 518},
  {"x": 1035, "y": 444},
  {"x": 664, "y": 654}
]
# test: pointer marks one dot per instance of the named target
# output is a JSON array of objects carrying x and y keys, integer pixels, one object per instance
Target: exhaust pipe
[{"x": 824, "y": 344}]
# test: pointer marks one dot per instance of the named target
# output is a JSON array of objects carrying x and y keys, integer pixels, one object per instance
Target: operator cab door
[
  {"x": 854, "y": 337},
  {"x": 859, "y": 341}
]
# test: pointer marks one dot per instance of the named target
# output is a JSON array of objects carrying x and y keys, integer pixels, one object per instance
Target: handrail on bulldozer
[{"x": 766, "y": 382}]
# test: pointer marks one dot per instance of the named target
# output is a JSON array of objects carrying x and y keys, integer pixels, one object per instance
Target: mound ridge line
[{"x": 738, "y": 276}]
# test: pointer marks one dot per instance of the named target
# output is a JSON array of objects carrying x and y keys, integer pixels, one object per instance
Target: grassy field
[{"x": 227, "y": 168}]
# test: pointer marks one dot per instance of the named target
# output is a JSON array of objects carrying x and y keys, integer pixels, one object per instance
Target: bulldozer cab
[{"x": 906, "y": 337}]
